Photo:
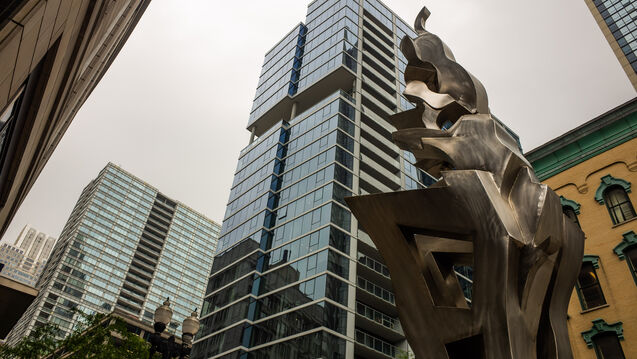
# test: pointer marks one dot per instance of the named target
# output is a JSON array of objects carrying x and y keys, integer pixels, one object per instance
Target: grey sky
[{"x": 173, "y": 107}]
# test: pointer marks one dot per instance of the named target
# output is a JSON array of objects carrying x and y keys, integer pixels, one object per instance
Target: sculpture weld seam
[{"x": 488, "y": 211}]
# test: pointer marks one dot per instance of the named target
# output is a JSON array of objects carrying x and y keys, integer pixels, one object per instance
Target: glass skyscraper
[
  {"x": 294, "y": 275},
  {"x": 618, "y": 21},
  {"x": 125, "y": 245}
]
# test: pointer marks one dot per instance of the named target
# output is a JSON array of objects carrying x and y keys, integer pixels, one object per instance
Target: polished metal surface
[{"x": 488, "y": 211}]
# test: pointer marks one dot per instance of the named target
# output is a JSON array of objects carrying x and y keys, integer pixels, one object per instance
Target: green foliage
[
  {"x": 40, "y": 343},
  {"x": 97, "y": 336},
  {"x": 405, "y": 355}
]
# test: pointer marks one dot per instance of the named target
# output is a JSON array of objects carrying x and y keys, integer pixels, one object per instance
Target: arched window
[
  {"x": 570, "y": 213},
  {"x": 631, "y": 258},
  {"x": 614, "y": 193},
  {"x": 627, "y": 250},
  {"x": 588, "y": 287},
  {"x": 604, "y": 338},
  {"x": 570, "y": 209},
  {"x": 618, "y": 204}
]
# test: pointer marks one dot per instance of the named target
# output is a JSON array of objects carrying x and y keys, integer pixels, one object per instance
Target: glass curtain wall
[{"x": 294, "y": 276}]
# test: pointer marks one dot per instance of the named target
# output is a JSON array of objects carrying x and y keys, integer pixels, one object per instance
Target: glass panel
[
  {"x": 7, "y": 119},
  {"x": 570, "y": 213},
  {"x": 619, "y": 205},
  {"x": 607, "y": 346},
  {"x": 589, "y": 287},
  {"x": 631, "y": 257}
]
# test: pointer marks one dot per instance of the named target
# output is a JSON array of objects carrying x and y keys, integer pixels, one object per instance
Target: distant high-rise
[
  {"x": 618, "y": 21},
  {"x": 125, "y": 245},
  {"x": 294, "y": 275},
  {"x": 25, "y": 259}
]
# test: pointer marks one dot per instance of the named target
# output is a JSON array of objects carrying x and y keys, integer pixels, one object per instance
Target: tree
[
  {"x": 38, "y": 344},
  {"x": 96, "y": 336},
  {"x": 405, "y": 355}
]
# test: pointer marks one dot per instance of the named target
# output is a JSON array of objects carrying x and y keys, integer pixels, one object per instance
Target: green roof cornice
[
  {"x": 600, "y": 326},
  {"x": 607, "y": 131},
  {"x": 629, "y": 239},
  {"x": 608, "y": 181},
  {"x": 570, "y": 203}
]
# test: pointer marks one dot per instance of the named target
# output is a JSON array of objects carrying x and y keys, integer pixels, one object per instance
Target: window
[
  {"x": 627, "y": 249},
  {"x": 570, "y": 209},
  {"x": 7, "y": 121},
  {"x": 607, "y": 346},
  {"x": 604, "y": 338},
  {"x": 588, "y": 286},
  {"x": 570, "y": 213},
  {"x": 619, "y": 205},
  {"x": 631, "y": 258}
]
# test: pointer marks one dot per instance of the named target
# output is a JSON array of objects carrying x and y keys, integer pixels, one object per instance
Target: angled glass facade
[
  {"x": 125, "y": 245},
  {"x": 620, "y": 18},
  {"x": 294, "y": 276}
]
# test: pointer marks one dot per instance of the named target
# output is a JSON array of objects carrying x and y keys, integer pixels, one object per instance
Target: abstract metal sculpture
[{"x": 488, "y": 211}]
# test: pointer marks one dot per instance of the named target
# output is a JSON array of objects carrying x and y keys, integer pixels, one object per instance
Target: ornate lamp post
[{"x": 167, "y": 347}]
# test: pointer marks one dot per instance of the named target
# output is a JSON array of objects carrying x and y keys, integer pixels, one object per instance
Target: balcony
[
  {"x": 374, "y": 55},
  {"x": 132, "y": 296},
  {"x": 378, "y": 323},
  {"x": 141, "y": 272},
  {"x": 151, "y": 262},
  {"x": 379, "y": 93},
  {"x": 369, "y": 35},
  {"x": 373, "y": 270},
  {"x": 138, "y": 280},
  {"x": 129, "y": 306},
  {"x": 370, "y": 347},
  {"x": 385, "y": 80},
  {"x": 380, "y": 33},
  {"x": 376, "y": 296},
  {"x": 135, "y": 288},
  {"x": 379, "y": 173},
  {"x": 379, "y": 156},
  {"x": 378, "y": 123},
  {"x": 142, "y": 267},
  {"x": 371, "y": 185}
]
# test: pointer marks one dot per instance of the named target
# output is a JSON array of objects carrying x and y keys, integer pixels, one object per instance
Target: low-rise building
[{"x": 592, "y": 168}]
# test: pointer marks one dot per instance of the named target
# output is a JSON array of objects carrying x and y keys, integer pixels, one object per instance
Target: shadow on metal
[{"x": 487, "y": 211}]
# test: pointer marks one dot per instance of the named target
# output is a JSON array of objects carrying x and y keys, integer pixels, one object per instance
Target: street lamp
[{"x": 167, "y": 347}]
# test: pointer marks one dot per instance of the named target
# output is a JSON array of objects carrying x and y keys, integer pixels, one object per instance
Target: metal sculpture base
[{"x": 523, "y": 265}]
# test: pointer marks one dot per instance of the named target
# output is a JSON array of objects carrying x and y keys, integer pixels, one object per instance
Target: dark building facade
[{"x": 52, "y": 55}]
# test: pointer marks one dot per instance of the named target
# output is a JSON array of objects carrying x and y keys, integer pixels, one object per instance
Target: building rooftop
[{"x": 598, "y": 135}]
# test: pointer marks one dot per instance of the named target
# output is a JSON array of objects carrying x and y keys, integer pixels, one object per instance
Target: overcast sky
[{"x": 173, "y": 107}]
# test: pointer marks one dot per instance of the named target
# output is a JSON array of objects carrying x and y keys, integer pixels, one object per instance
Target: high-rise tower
[
  {"x": 125, "y": 245},
  {"x": 26, "y": 258},
  {"x": 294, "y": 275},
  {"x": 618, "y": 21}
]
